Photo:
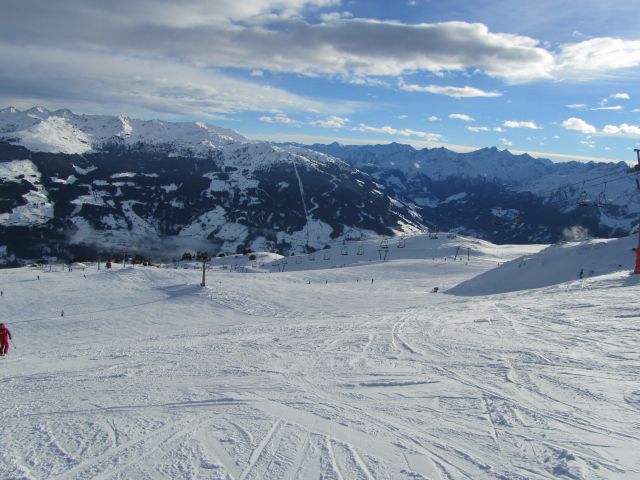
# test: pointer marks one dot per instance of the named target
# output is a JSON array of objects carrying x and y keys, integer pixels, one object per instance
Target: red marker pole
[
  {"x": 636, "y": 169},
  {"x": 637, "y": 269}
]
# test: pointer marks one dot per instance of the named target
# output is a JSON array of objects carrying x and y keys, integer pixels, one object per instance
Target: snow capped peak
[
  {"x": 63, "y": 131},
  {"x": 37, "y": 109}
]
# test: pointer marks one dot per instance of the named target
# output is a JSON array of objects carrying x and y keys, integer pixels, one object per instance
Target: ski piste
[{"x": 516, "y": 368}]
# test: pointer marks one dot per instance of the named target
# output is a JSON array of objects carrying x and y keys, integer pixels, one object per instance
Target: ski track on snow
[{"x": 268, "y": 376}]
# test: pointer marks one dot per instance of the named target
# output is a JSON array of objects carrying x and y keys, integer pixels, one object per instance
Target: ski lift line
[
  {"x": 585, "y": 182},
  {"x": 372, "y": 238},
  {"x": 572, "y": 198}
]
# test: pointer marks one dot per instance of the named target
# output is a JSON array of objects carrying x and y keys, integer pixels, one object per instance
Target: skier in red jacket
[{"x": 5, "y": 336}]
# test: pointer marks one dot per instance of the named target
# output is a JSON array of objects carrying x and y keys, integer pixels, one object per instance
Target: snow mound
[{"x": 554, "y": 265}]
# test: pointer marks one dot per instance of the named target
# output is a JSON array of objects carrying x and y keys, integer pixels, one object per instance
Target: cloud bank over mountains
[{"x": 169, "y": 57}]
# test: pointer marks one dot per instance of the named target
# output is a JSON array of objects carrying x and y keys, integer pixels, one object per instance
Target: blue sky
[{"x": 553, "y": 78}]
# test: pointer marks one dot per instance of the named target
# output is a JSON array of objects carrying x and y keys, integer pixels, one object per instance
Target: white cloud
[
  {"x": 636, "y": 110},
  {"x": 478, "y": 129},
  {"x": 254, "y": 34},
  {"x": 332, "y": 121},
  {"x": 461, "y": 116},
  {"x": 624, "y": 130},
  {"x": 333, "y": 16},
  {"x": 620, "y": 96},
  {"x": 498, "y": 129},
  {"x": 520, "y": 124},
  {"x": 434, "y": 118},
  {"x": 257, "y": 73},
  {"x": 405, "y": 132},
  {"x": 455, "y": 92},
  {"x": 596, "y": 57},
  {"x": 402, "y": 117},
  {"x": 90, "y": 53},
  {"x": 95, "y": 82},
  {"x": 277, "y": 118},
  {"x": 579, "y": 125},
  {"x": 506, "y": 142},
  {"x": 578, "y": 106},
  {"x": 613, "y": 107}
]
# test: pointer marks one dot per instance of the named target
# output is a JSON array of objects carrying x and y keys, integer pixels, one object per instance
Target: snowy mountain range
[
  {"x": 82, "y": 184},
  {"x": 500, "y": 196}
]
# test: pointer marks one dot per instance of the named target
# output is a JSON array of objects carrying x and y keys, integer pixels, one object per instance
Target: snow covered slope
[
  {"x": 554, "y": 265},
  {"x": 320, "y": 373}
]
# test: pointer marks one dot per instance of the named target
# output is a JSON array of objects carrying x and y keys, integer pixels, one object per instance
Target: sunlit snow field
[{"x": 318, "y": 372}]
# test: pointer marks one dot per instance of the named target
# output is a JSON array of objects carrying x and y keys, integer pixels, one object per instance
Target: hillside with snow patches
[
  {"x": 500, "y": 196},
  {"x": 340, "y": 364},
  {"x": 89, "y": 185}
]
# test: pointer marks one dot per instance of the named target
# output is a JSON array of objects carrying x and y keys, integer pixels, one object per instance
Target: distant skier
[
  {"x": 581, "y": 273},
  {"x": 5, "y": 336}
]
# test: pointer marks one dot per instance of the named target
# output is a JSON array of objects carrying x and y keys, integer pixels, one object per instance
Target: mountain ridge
[
  {"x": 165, "y": 188},
  {"x": 86, "y": 182}
]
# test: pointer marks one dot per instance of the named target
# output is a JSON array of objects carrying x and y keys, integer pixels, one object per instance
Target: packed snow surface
[
  {"x": 344, "y": 368},
  {"x": 555, "y": 264}
]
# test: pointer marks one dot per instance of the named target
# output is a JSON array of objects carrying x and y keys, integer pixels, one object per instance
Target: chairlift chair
[
  {"x": 384, "y": 243},
  {"x": 433, "y": 235},
  {"x": 401, "y": 242},
  {"x": 327, "y": 255},
  {"x": 360, "y": 250},
  {"x": 298, "y": 259},
  {"x": 602, "y": 197},
  {"x": 344, "y": 251},
  {"x": 312, "y": 257},
  {"x": 583, "y": 200}
]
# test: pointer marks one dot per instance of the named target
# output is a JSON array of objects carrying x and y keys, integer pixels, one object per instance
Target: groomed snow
[{"x": 320, "y": 372}]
